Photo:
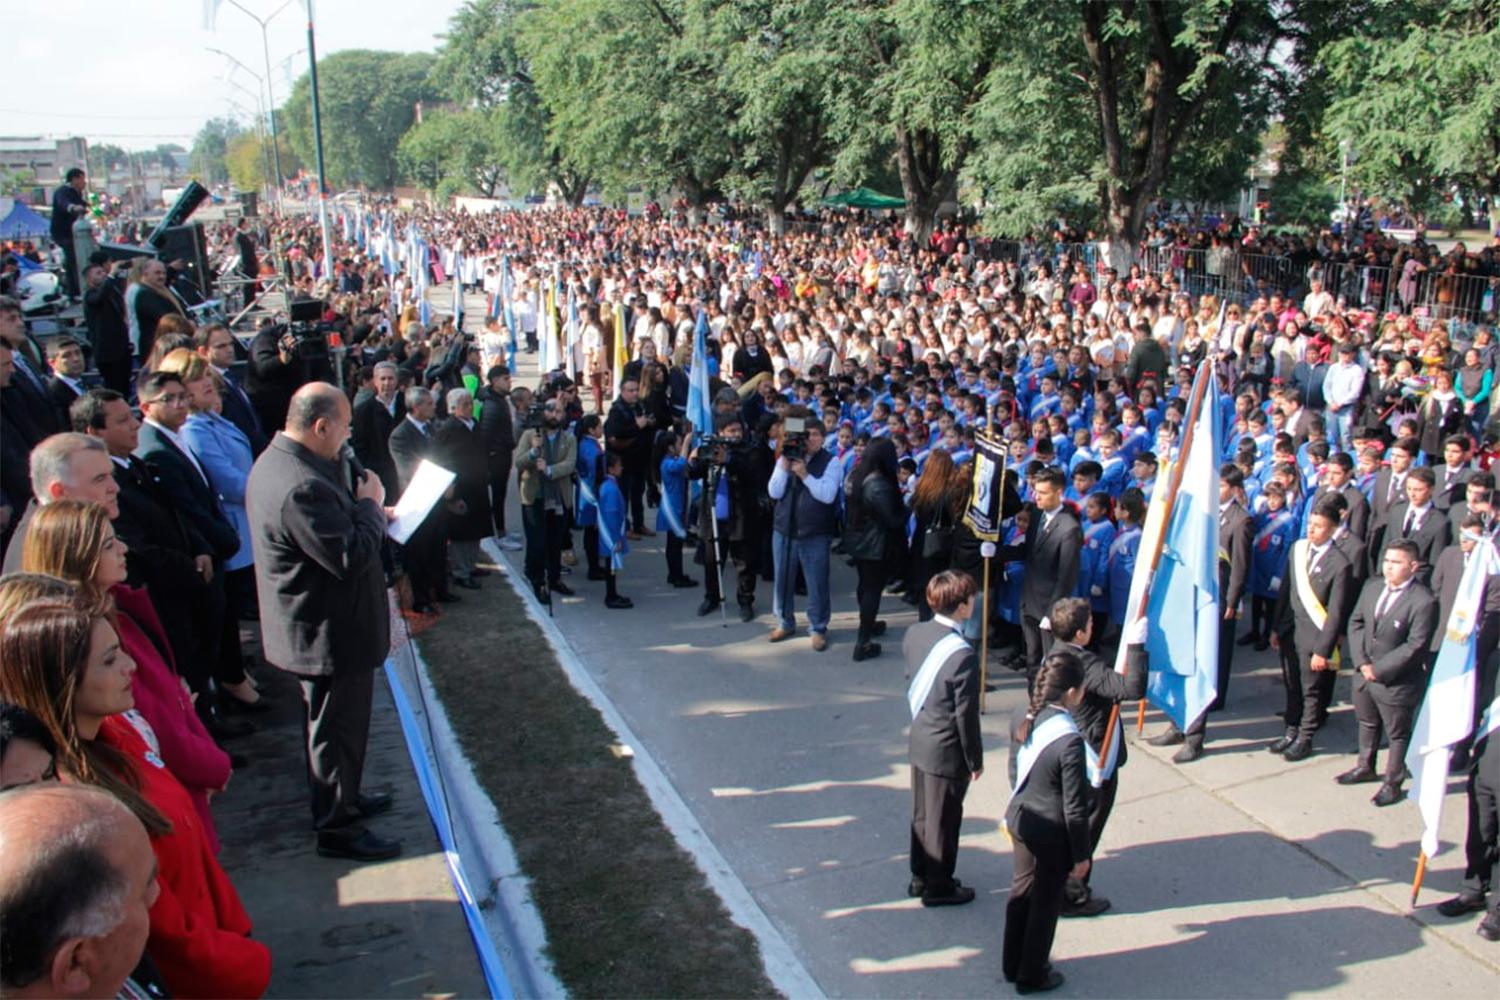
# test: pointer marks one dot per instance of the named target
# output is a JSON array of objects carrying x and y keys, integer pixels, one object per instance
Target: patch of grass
[{"x": 627, "y": 912}]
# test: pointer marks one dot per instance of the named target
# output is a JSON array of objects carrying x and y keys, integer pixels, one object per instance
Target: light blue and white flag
[{"x": 700, "y": 404}]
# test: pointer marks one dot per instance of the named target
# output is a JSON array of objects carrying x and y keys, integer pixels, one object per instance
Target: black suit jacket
[
  {"x": 408, "y": 447},
  {"x": 323, "y": 607},
  {"x": 1051, "y": 558},
  {"x": 1431, "y": 537},
  {"x": 19, "y": 433},
  {"x": 1396, "y": 644},
  {"x": 62, "y": 396},
  {"x": 1103, "y": 689},
  {"x": 1357, "y": 553},
  {"x": 1358, "y": 517},
  {"x": 239, "y": 411},
  {"x": 33, "y": 397},
  {"x": 104, "y": 312},
  {"x": 945, "y": 738},
  {"x": 1053, "y": 806},
  {"x": 369, "y": 434},
  {"x": 1236, "y": 539},
  {"x": 1332, "y": 583},
  {"x": 1446, "y": 576},
  {"x": 179, "y": 479},
  {"x": 1450, "y": 490},
  {"x": 1380, "y": 507}
]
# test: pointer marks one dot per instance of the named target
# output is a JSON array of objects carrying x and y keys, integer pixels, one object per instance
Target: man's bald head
[
  {"x": 318, "y": 419},
  {"x": 77, "y": 878}
]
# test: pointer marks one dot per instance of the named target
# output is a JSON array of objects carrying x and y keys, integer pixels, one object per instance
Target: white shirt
[
  {"x": 1343, "y": 384},
  {"x": 181, "y": 443}
]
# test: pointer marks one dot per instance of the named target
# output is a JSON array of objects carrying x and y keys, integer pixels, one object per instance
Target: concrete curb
[
  {"x": 486, "y": 853},
  {"x": 782, "y": 965}
]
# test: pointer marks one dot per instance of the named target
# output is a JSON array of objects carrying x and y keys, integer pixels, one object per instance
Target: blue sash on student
[{"x": 1055, "y": 728}]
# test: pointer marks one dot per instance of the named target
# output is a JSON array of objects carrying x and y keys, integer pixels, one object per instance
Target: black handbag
[{"x": 938, "y": 542}]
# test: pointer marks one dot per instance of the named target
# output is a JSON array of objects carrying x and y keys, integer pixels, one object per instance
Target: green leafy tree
[
  {"x": 368, "y": 100},
  {"x": 249, "y": 160},
  {"x": 1416, "y": 93},
  {"x": 103, "y": 156},
  {"x": 209, "y": 148},
  {"x": 453, "y": 153}
]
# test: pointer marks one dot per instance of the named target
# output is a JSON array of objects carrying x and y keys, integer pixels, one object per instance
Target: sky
[{"x": 135, "y": 73}]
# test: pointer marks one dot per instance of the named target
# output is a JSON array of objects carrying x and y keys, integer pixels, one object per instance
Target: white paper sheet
[{"x": 426, "y": 489}]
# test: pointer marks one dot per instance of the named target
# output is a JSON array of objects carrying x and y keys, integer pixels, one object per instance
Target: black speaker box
[{"x": 187, "y": 243}]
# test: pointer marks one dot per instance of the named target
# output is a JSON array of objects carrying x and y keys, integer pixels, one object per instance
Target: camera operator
[
  {"x": 733, "y": 516},
  {"x": 805, "y": 487},
  {"x": 545, "y": 456},
  {"x": 283, "y": 358},
  {"x": 629, "y": 431}
]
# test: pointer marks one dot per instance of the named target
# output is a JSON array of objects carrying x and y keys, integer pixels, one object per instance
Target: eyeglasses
[{"x": 171, "y": 399}]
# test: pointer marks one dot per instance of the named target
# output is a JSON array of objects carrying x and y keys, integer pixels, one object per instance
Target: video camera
[
  {"x": 794, "y": 438},
  {"x": 532, "y": 418},
  {"x": 306, "y": 335}
]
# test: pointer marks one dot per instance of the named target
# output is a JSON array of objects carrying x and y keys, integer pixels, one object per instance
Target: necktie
[
  {"x": 1314, "y": 556},
  {"x": 1387, "y": 597},
  {"x": 1393, "y": 489}
]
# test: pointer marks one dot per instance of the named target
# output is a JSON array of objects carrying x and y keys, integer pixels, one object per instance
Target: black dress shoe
[
  {"x": 366, "y": 846},
  {"x": 1279, "y": 746},
  {"x": 683, "y": 582},
  {"x": 1461, "y": 905},
  {"x": 374, "y": 805},
  {"x": 1090, "y": 907},
  {"x": 1170, "y": 738},
  {"x": 1489, "y": 927},
  {"x": 1188, "y": 752},
  {"x": 708, "y": 607},
  {"x": 1388, "y": 795},
  {"x": 866, "y": 651},
  {"x": 1261, "y": 645},
  {"x": 447, "y": 597},
  {"x": 915, "y": 888},
  {"x": 1248, "y": 639},
  {"x": 1053, "y": 981},
  {"x": 747, "y": 612},
  {"x": 1301, "y": 749},
  {"x": 1358, "y": 775},
  {"x": 562, "y": 588},
  {"x": 879, "y": 629},
  {"x": 956, "y": 895},
  {"x": 618, "y": 603}
]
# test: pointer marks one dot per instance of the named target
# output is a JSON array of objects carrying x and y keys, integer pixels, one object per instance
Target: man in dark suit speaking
[{"x": 323, "y": 610}]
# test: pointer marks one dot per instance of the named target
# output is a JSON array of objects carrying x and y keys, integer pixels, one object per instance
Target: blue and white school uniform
[
  {"x": 612, "y": 542},
  {"x": 1274, "y": 534},
  {"x": 1093, "y": 563}
]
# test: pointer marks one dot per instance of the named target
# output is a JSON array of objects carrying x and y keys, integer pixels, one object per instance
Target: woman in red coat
[
  {"x": 75, "y": 542},
  {"x": 65, "y": 653}
]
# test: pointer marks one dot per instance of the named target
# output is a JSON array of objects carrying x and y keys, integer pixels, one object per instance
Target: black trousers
[
  {"x": 633, "y": 483},
  {"x": 872, "y": 575},
  {"x": 1308, "y": 691},
  {"x": 1038, "y": 641},
  {"x": 500, "y": 466},
  {"x": 1039, "y": 873},
  {"x": 591, "y": 548},
  {"x": 335, "y": 734},
  {"x": 1198, "y": 730},
  {"x": 1101, "y": 804},
  {"x": 741, "y": 554},
  {"x": 425, "y": 558},
  {"x": 937, "y": 811},
  {"x": 544, "y": 543},
  {"x": 1482, "y": 842},
  {"x": 70, "y": 266},
  {"x": 1376, "y": 717},
  {"x": 674, "y": 557}
]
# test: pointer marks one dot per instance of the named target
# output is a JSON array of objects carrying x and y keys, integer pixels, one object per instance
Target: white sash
[
  {"x": 921, "y": 685},
  {"x": 1272, "y": 526},
  {"x": 1043, "y": 736},
  {"x": 586, "y": 492},
  {"x": 669, "y": 511},
  {"x": 607, "y": 540}
]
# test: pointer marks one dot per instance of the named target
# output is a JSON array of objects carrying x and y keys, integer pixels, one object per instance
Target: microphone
[{"x": 356, "y": 470}]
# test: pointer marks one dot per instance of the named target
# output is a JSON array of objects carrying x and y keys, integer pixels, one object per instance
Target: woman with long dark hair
[
  {"x": 1048, "y": 820},
  {"x": 873, "y": 538},
  {"x": 937, "y": 505}
]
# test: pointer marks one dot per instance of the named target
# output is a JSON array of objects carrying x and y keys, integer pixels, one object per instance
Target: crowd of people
[{"x": 780, "y": 400}]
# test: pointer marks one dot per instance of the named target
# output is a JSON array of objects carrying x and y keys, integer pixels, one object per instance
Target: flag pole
[
  {"x": 984, "y": 638},
  {"x": 1190, "y": 423},
  {"x": 1416, "y": 882}
]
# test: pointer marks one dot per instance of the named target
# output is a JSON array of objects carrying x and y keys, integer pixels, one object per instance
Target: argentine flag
[{"x": 700, "y": 404}]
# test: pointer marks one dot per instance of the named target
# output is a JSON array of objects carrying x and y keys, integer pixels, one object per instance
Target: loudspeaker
[{"x": 187, "y": 243}]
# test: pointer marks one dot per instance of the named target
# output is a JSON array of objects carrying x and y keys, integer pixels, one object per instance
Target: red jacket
[{"x": 200, "y": 933}]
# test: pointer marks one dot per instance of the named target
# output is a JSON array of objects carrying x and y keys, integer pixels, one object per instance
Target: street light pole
[
  {"x": 273, "y": 178},
  {"x": 265, "y": 45},
  {"x": 317, "y": 121},
  {"x": 260, "y": 122}
]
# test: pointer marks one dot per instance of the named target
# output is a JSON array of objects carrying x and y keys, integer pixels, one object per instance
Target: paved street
[{"x": 1239, "y": 875}]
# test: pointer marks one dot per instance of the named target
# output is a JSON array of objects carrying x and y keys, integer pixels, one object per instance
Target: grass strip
[{"x": 627, "y": 912}]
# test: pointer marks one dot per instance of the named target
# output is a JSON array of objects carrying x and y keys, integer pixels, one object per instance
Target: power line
[{"x": 86, "y": 114}]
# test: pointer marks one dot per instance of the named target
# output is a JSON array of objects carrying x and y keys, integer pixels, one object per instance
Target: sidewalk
[{"x": 335, "y": 928}]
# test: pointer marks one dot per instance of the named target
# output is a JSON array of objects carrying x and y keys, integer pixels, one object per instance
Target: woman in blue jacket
[
  {"x": 588, "y": 473},
  {"x": 610, "y": 531}
]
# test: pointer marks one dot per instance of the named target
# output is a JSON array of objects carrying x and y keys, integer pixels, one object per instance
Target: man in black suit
[
  {"x": 68, "y": 206},
  {"x": 1418, "y": 520},
  {"x": 18, "y": 435},
  {"x": 104, "y": 313},
  {"x": 375, "y": 417},
  {"x": 1389, "y": 490},
  {"x": 1390, "y": 637},
  {"x": 1236, "y": 540},
  {"x": 1103, "y": 688},
  {"x": 497, "y": 423},
  {"x": 1450, "y": 478},
  {"x": 1338, "y": 477},
  {"x": 1317, "y": 591},
  {"x": 1445, "y": 579},
  {"x": 30, "y": 403},
  {"x": 1051, "y": 550},
  {"x": 1478, "y": 499},
  {"x": 215, "y": 344},
  {"x": 323, "y": 611},
  {"x": 947, "y": 750},
  {"x": 425, "y": 554},
  {"x": 65, "y": 357}
]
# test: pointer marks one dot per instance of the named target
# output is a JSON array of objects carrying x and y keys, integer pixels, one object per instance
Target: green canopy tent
[{"x": 865, "y": 198}]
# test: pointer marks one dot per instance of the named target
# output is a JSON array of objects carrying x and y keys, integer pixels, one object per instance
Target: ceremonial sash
[
  {"x": 1263, "y": 537},
  {"x": 1093, "y": 528},
  {"x": 611, "y": 545},
  {"x": 587, "y": 492},
  {"x": 1303, "y": 581},
  {"x": 1057, "y": 727},
  {"x": 921, "y": 685},
  {"x": 674, "y": 520}
]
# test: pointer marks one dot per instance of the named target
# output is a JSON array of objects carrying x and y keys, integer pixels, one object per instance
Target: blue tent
[{"x": 21, "y": 222}]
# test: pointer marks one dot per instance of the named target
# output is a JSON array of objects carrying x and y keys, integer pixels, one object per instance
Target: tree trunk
[
  {"x": 776, "y": 218},
  {"x": 1123, "y": 222},
  {"x": 1494, "y": 198},
  {"x": 925, "y": 184}
]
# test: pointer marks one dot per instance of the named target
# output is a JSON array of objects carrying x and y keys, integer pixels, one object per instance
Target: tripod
[{"x": 711, "y": 543}]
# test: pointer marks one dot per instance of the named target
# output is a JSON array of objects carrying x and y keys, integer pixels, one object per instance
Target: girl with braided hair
[{"x": 1048, "y": 820}]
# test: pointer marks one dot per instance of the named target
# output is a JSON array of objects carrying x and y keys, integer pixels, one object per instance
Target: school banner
[{"x": 983, "y": 513}]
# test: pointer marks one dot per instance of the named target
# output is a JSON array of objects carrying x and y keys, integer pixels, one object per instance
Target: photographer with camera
[
  {"x": 283, "y": 358},
  {"x": 545, "y": 455},
  {"x": 733, "y": 516},
  {"x": 805, "y": 487},
  {"x": 629, "y": 430}
]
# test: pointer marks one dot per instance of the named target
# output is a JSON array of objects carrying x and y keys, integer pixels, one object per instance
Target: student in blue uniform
[
  {"x": 1120, "y": 563},
  {"x": 1275, "y": 530},
  {"x": 589, "y": 471},
  {"x": 611, "y": 531},
  {"x": 672, "y": 515},
  {"x": 1093, "y": 563}
]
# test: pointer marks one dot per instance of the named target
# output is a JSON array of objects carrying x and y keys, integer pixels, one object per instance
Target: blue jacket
[
  {"x": 589, "y": 470},
  {"x": 1274, "y": 534},
  {"x": 227, "y": 455},
  {"x": 674, "y": 493},
  {"x": 1120, "y": 564},
  {"x": 612, "y": 542},
  {"x": 1015, "y": 577},
  {"x": 1093, "y": 563}
]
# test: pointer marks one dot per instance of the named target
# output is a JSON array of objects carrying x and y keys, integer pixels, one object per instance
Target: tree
[
  {"x": 103, "y": 156},
  {"x": 1416, "y": 93},
  {"x": 451, "y": 152},
  {"x": 249, "y": 160},
  {"x": 368, "y": 100},
  {"x": 209, "y": 148}
]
